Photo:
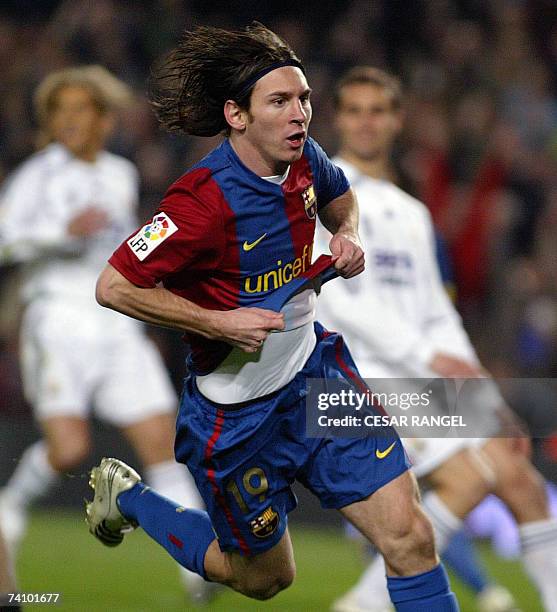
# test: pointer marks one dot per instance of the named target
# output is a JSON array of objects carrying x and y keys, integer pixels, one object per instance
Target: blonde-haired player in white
[
  {"x": 399, "y": 323},
  {"x": 62, "y": 213}
]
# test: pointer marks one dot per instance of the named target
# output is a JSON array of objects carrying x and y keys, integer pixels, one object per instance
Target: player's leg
[
  {"x": 406, "y": 540},
  {"x": 506, "y": 471},
  {"x": 31, "y": 480},
  {"x": 244, "y": 482},
  {"x": 7, "y": 576},
  {"x": 455, "y": 483},
  {"x": 517, "y": 480},
  {"x": 461, "y": 558},
  {"x": 123, "y": 502},
  {"x": 59, "y": 372},
  {"x": 153, "y": 441},
  {"x": 261, "y": 576},
  {"x": 368, "y": 480},
  {"x": 455, "y": 487},
  {"x": 370, "y": 593},
  {"x": 393, "y": 520},
  {"x": 67, "y": 440},
  {"x": 57, "y": 381},
  {"x": 522, "y": 488},
  {"x": 65, "y": 445}
]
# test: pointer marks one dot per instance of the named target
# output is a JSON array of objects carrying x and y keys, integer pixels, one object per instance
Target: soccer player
[
  {"x": 61, "y": 214},
  {"x": 230, "y": 243},
  {"x": 400, "y": 323}
]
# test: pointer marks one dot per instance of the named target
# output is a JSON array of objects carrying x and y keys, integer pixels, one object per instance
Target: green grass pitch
[{"x": 58, "y": 555}]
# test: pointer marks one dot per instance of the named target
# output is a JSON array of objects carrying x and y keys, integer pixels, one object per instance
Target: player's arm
[
  {"x": 30, "y": 229},
  {"x": 194, "y": 241},
  {"x": 244, "y": 328},
  {"x": 340, "y": 217},
  {"x": 450, "y": 366},
  {"x": 455, "y": 356},
  {"x": 26, "y": 230}
]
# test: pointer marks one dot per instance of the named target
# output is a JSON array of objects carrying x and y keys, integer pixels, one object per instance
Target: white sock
[
  {"x": 445, "y": 523},
  {"x": 371, "y": 591},
  {"x": 32, "y": 478},
  {"x": 7, "y": 571},
  {"x": 539, "y": 558},
  {"x": 174, "y": 481}
]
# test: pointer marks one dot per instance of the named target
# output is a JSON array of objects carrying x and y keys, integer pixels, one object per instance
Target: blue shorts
[{"x": 245, "y": 457}]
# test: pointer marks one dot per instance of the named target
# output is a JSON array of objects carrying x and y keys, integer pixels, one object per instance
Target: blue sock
[
  {"x": 427, "y": 592},
  {"x": 460, "y": 555},
  {"x": 186, "y": 534}
]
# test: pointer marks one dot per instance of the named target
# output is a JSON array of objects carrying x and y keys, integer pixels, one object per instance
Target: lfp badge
[
  {"x": 150, "y": 236},
  {"x": 158, "y": 227}
]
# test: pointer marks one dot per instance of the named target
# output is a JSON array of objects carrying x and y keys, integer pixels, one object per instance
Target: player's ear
[
  {"x": 235, "y": 116},
  {"x": 108, "y": 122},
  {"x": 400, "y": 118}
]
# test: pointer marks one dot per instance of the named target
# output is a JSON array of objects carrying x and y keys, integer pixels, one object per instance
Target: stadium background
[{"x": 480, "y": 148}]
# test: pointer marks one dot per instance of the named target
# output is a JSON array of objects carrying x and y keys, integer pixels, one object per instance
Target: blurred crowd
[{"x": 480, "y": 145}]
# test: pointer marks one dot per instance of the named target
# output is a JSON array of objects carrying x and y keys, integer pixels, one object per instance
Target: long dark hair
[{"x": 208, "y": 67}]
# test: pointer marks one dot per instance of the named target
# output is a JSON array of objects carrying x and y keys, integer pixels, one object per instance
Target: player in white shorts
[
  {"x": 399, "y": 323},
  {"x": 62, "y": 213}
]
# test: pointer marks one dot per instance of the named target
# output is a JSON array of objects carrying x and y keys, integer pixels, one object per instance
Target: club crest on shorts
[
  {"x": 266, "y": 524},
  {"x": 150, "y": 236},
  {"x": 310, "y": 201}
]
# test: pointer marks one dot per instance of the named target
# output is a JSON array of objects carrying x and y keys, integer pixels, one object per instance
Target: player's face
[
  {"x": 278, "y": 119},
  {"x": 76, "y": 122},
  {"x": 366, "y": 120}
]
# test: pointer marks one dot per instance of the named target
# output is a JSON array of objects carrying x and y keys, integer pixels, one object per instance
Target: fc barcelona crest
[
  {"x": 310, "y": 201},
  {"x": 266, "y": 524}
]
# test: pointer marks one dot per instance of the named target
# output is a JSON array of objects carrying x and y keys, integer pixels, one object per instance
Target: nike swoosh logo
[
  {"x": 249, "y": 246},
  {"x": 382, "y": 454}
]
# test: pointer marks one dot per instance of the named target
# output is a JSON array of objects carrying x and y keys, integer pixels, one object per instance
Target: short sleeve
[
  {"x": 186, "y": 231},
  {"x": 329, "y": 180}
]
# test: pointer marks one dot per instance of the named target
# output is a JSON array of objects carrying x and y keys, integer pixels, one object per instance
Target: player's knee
[
  {"x": 262, "y": 592},
  {"x": 523, "y": 485},
  {"x": 68, "y": 456},
  {"x": 153, "y": 439},
  {"x": 475, "y": 476},
  {"x": 422, "y": 535},
  {"x": 411, "y": 536},
  {"x": 262, "y": 587},
  {"x": 160, "y": 445}
]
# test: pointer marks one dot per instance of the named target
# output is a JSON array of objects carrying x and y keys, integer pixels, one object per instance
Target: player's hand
[
  {"x": 87, "y": 222},
  {"x": 247, "y": 328},
  {"x": 449, "y": 366},
  {"x": 348, "y": 255}
]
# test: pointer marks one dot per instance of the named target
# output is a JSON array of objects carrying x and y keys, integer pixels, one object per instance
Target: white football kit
[
  {"x": 396, "y": 315},
  {"x": 74, "y": 353}
]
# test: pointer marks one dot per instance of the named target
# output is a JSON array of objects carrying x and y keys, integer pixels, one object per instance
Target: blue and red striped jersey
[{"x": 224, "y": 237}]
